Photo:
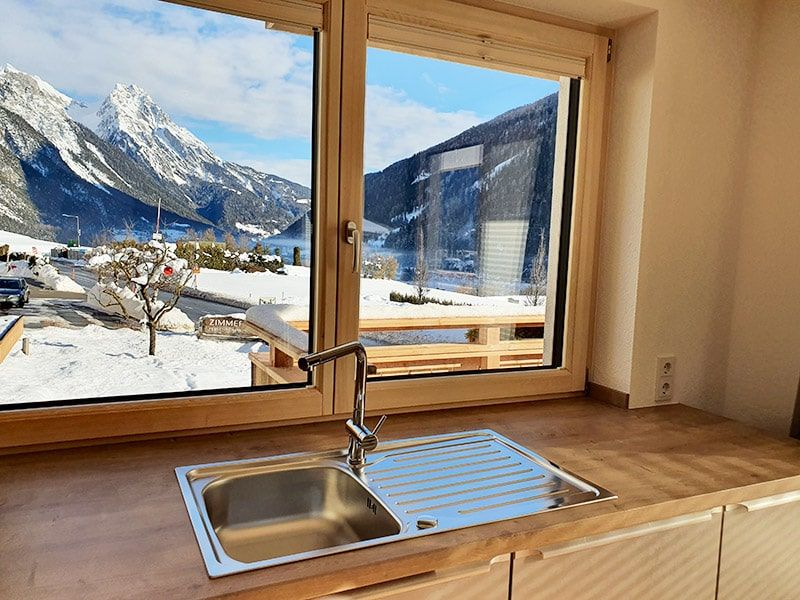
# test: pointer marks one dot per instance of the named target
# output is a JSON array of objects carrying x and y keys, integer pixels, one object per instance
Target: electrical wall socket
[
  {"x": 665, "y": 378},
  {"x": 665, "y": 366},
  {"x": 664, "y": 391}
]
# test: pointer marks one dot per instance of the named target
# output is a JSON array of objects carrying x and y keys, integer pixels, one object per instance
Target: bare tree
[
  {"x": 538, "y": 281},
  {"x": 209, "y": 236},
  {"x": 132, "y": 277},
  {"x": 102, "y": 238},
  {"x": 230, "y": 242},
  {"x": 129, "y": 230}
]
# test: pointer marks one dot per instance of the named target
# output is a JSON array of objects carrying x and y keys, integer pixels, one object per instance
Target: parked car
[{"x": 14, "y": 290}]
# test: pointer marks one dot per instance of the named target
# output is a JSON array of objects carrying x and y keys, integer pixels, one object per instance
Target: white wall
[
  {"x": 621, "y": 227},
  {"x": 700, "y": 239},
  {"x": 763, "y": 362},
  {"x": 672, "y": 185},
  {"x": 697, "y": 136}
]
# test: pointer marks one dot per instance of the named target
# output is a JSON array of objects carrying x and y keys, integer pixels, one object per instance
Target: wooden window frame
[
  {"x": 474, "y": 35},
  {"x": 115, "y": 418}
]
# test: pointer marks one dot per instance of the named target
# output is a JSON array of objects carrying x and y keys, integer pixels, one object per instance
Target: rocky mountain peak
[
  {"x": 131, "y": 120},
  {"x": 19, "y": 90}
]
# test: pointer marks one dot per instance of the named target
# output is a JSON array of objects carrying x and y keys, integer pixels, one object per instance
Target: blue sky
[{"x": 244, "y": 90}]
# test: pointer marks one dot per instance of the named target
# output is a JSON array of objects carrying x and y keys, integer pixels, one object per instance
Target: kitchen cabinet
[
  {"x": 664, "y": 560},
  {"x": 760, "y": 554},
  {"x": 487, "y": 580}
]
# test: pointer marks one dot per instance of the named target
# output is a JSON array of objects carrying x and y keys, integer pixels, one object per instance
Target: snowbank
[
  {"x": 44, "y": 273},
  {"x": 49, "y": 276},
  {"x": 16, "y": 268},
  {"x": 95, "y": 361},
  {"x": 174, "y": 320},
  {"x": 23, "y": 243}
]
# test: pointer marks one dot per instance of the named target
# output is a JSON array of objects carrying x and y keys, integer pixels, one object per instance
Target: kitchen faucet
[{"x": 362, "y": 439}]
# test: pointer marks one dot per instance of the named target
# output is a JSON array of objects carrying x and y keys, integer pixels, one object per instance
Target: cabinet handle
[
  {"x": 418, "y": 582},
  {"x": 762, "y": 503},
  {"x": 604, "y": 539}
]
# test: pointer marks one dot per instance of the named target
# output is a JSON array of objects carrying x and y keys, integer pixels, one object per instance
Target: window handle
[{"x": 353, "y": 237}]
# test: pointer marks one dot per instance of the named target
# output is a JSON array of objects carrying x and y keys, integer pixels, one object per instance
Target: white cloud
[
  {"x": 196, "y": 64},
  {"x": 398, "y": 126},
  {"x": 201, "y": 65}
]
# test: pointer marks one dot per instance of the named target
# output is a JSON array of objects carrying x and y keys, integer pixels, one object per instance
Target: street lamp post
[{"x": 77, "y": 225}]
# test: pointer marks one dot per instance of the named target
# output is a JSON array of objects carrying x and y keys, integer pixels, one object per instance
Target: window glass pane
[
  {"x": 459, "y": 272},
  {"x": 152, "y": 155}
]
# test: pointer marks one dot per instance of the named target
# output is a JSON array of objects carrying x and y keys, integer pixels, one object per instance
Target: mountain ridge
[{"x": 121, "y": 172}]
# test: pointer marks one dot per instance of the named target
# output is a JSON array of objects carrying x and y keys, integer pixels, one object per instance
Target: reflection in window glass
[
  {"x": 458, "y": 208},
  {"x": 155, "y": 183}
]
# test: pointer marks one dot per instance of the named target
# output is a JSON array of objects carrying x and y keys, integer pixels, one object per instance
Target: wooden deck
[{"x": 488, "y": 351}]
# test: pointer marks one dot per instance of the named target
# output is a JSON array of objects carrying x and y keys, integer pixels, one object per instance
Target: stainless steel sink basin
[
  {"x": 262, "y": 512},
  {"x": 282, "y": 513}
]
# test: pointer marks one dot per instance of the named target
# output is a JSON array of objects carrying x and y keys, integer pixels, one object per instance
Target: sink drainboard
[{"x": 477, "y": 479}]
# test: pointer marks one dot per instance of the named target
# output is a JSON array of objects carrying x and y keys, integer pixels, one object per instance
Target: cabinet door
[
  {"x": 483, "y": 581},
  {"x": 672, "y": 559},
  {"x": 760, "y": 556}
]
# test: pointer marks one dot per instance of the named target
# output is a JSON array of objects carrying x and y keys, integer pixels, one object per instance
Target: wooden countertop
[{"x": 109, "y": 522}]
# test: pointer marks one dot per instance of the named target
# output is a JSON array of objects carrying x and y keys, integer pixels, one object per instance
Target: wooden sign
[{"x": 224, "y": 326}]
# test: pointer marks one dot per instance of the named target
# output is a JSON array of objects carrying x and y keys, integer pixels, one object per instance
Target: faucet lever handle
[{"x": 380, "y": 423}]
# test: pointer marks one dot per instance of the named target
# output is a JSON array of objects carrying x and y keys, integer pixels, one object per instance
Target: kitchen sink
[
  {"x": 289, "y": 512},
  {"x": 257, "y": 513}
]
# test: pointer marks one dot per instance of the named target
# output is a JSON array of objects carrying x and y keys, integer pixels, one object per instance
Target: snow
[
  {"x": 94, "y": 361},
  {"x": 421, "y": 177},
  {"x": 130, "y": 118},
  {"x": 293, "y": 288},
  {"x": 273, "y": 318},
  {"x": 26, "y": 244},
  {"x": 150, "y": 263},
  {"x": 407, "y": 217},
  {"x": 43, "y": 273},
  {"x": 49, "y": 276},
  {"x": 7, "y": 211},
  {"x": 251, "y": 229},
  {"x": 497, "y": 169},
  {"x": 6, "y": 322}
]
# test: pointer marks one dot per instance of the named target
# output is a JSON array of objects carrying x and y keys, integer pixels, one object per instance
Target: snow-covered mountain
[
  {"x": 224, "y": 192},
  {"x": 51, "y": 164}
]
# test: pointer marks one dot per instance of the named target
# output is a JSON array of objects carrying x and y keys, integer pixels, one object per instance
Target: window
[
  {"x": 292, "y": 174},
  {"x": 160, "y": 162},
  {"x": 461, "y": 223}
]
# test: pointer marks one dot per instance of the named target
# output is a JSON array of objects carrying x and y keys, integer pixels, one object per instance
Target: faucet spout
[{"x": 362, "y": 439}]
